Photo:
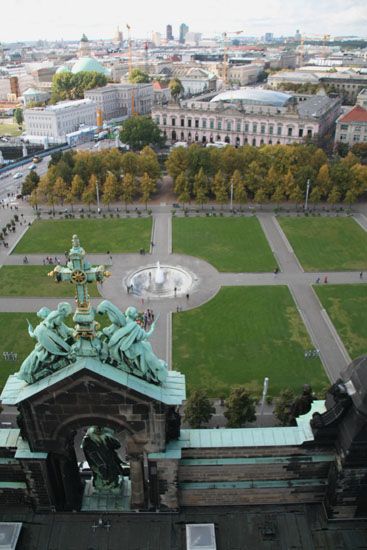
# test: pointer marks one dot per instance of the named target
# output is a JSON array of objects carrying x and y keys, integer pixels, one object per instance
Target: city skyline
[{"x": 211, "y": 17}]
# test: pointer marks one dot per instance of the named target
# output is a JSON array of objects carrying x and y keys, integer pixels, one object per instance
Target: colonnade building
[{"x": 248, "y": 116}]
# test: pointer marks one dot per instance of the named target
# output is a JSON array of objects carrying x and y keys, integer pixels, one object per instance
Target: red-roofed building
[
  {"x": 351, "y": 127},
  {"x": 162, "y": 93}
]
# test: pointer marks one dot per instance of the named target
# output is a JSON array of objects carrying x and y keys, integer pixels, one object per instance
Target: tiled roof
[{"x": 357, "y": 114}]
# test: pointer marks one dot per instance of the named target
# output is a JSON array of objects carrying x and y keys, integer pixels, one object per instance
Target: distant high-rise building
[
  {"x": 156, "y": 38},
  {"x": 169, "y": 34},
  {"x": 118, "y": 37},
  {"x": 269, "y": 37},
  {"x": 184, "y": 29},
  {"x": 298, "y": 36}
]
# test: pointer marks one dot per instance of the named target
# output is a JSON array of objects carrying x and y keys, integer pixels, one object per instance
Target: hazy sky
[{"x": 68, "y": 19}]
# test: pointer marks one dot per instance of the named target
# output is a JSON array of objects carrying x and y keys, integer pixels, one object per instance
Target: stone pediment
[{"x": 172, "y": 392}]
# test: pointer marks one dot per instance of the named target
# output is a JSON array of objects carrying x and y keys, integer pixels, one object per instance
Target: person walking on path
[
  {"x": 317, "y": 280},
  {"x": 361, "y": 275},
  {"x": 325, "y": 279}
]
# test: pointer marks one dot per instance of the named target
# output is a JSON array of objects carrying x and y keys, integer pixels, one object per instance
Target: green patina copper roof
[
  {"x": 89, "y": 64},
  {"x": 173, "y": 391},
  {"x": 243, "y": 437},
  {"x": 10, "y": 438}
]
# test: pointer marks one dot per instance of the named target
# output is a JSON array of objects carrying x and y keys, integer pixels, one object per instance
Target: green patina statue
[
  {"x": 128, "y": 344},
  {"x": 100, "y": 448},
  {"x": 123, "y": 344},
  {"x": 54, "y": 341}
]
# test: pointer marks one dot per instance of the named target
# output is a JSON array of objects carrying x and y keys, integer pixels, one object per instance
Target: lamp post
[
  {"x": 307, "y": 192},
  {"x": 265, "y": 391},
  {"x": 231, "y": 200},
  {"x": 97, "y": 193}
]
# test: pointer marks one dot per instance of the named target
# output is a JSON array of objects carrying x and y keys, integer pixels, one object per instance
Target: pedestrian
[
  {"x": 361, "y": 275},
  {"x": 317, "y": 280},
  {"x": 325, "y": 279},
  {"x": 128, "y": 289},
  {"x": 145, "y": 320},
  {"x": 152, "y": 315},
  {"x": 44, "y": 263},
  {"x": 111, "y": 258},
  {"x": 177, "y": 308},
  {"x": 187, "y": 296},
  {"x": 175, "y": 291},
  {"x": 151, "y": 244}
]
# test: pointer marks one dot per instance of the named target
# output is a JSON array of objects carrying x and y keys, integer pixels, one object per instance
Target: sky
[{"x": 68, "y": 19}]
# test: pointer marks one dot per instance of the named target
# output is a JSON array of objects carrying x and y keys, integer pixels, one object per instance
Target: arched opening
[
  {"x": 238, "y": 141},
  {"x": 203, "y": 139},
  {"x": 94, "y": 470},
  {"x": 189, "y": 136},
  {"x": 211, "y": 139},
  {"x": 174, "y": 137},
  {"x": 254, "y": 141},
  {"x": 182, "y": 136},
  {"x": 218, "y": 137},
  {"x": 196, "y": 137},
  {"x": 227, "y": 140}
]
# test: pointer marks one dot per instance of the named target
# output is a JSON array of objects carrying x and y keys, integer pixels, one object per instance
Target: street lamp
[
  {"x": 97, "y": 193},
  {"x": 231, "y": 202},
  {"x": 265, "y": 391},
  {"x": 307, "y": 192}
]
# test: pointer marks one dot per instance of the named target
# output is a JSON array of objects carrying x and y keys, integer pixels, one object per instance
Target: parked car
[
  {"x": 36, "y": 159},
  {"x": 32, "y": 166},
  {"x": 17, "y": 175}
]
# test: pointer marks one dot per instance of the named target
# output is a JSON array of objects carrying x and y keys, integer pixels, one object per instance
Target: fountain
[
  {"x": 159, "y": 275},
  {"x": 158, "y": 281}
]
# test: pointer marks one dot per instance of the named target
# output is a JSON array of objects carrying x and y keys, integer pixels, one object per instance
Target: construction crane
[
  {"x": 146, "y": 56},
  {"x": 130, "y": 64},
  {"x": 325, "y": 38},
  {"x": 225, "y": 56}
]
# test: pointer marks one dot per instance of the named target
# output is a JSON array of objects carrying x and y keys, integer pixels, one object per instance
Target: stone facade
[
  {"x": 116, "y": 100},
  {"x": 205, "y": 122}
]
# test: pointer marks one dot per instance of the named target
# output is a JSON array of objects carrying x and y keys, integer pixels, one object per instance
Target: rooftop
[
  {"x": 89, "y": 64},
  {"x": 254, "y": 96},
  {"x": 357, "y": 114}
]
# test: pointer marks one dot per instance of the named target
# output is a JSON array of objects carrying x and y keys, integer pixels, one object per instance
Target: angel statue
[
  {"x": 54, "y": 340},
  {"x": 128, "y": 343}
]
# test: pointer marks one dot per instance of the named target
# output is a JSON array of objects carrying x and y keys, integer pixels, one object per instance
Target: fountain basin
[{"x": 172, "y": 282}]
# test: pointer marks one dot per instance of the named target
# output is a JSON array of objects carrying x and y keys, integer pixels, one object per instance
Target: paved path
[{"x": 207, "y": 282}]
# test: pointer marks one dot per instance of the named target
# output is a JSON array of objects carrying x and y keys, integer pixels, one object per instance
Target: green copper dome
[
  {"x": 89, "y": 64},
  {"x": 63, "y": 69}
]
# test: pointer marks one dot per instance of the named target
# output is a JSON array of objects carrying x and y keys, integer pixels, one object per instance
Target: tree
[
  {"x": 260, "y": 196},
  {"x": 149, "y": 163},
  {"x": 60, "y": 190},
  {"x": 201, "y": 188},
  {"x": 46, "y": 191},
  {"x": 72, "y": 86},
  {"x": 147, "y": 188},
  {"x": 137, "y": 76},
  {"x": 130, "y": 163},
  {"x": 278, "y": 196},
  {"x": 110, "y": 189},
  {"x": 219, "y": 188},
  {"x": 77, "y": 188},
  {"x": 177, "y": 162},
  {"x": 30, "y": 183},
  {"x": 182, "y": 188},
  {"x": 239, "y": 190},
  {"x": 334, "y": 196},
  {"x": 240, "y": 407},
  {"x": 323, "y": 180},
  {"x": 350, "y": 197},
  {"x": 89, "y": 194},
  {"x": 315, "y": 195},
  {"x": 128, "y": 189},
  {"x": 18, "y": 116},
  {"x": 283, "y": 405},
  {"x": 176, "y": 88},
  {"x": 296, "y": 195},
  {"x": 198, "y": 409},
  {"x": 139, "y": 131}
]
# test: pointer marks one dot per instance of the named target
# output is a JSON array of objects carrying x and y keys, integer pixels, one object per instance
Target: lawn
[
  {"x": 327, "y": 244},
  {"x": 9, "y": 129},
  {"x": 347, "y": 308},
  {"x": 96, "y": 236},
  {"x": 241, "y": 336},
  {"x": 229, "y": 244},
  {"x": 14, "y": 338},
  {"x": 32, "y": 280}
]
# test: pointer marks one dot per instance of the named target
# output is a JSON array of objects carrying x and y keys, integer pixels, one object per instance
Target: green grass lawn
[
  {"x": 10, "y": 129},
  {"x": 347, "y": 308},
  {"x": 242, "y": 335},
  {"x": 32, "y": 280},
  {"x": 327, "y": 244},
  {"x": 14, "y": 338},
  {"x": 229, "y": 244},
  {"x": 96, "y": 236}
]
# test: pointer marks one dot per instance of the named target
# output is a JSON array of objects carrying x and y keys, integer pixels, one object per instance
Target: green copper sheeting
[
  {"x": 10, "y": 439},
  {"x": 173, "y": 392}
]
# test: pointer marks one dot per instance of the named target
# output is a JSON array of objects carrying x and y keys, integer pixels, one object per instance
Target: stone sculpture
[
  {"x": 54, "y": 340},
  {"x": 100, "y": 448}
]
